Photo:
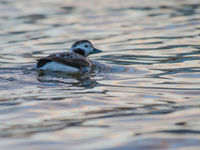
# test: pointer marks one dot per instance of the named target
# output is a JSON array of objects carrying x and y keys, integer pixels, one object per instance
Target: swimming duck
[{"x": 73, "y": 61}]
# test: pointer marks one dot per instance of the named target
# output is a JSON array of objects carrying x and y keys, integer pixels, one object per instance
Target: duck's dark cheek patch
[{"x": 80, "y": 51}]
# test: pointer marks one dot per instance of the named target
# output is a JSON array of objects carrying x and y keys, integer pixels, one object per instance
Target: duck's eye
[{"x": 86, "y": 46}]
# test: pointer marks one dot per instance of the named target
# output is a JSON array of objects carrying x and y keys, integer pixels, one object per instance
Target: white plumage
[{"x": 54, "y": 66}]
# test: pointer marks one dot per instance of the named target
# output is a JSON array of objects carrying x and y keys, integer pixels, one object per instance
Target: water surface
[{"x": 149, "y": 99}]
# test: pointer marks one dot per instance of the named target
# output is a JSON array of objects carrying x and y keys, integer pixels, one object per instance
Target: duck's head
[{"x": 84, "y": 48}]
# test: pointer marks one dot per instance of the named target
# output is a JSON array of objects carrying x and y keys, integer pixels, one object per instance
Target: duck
[{"x": 75, "y": 60}]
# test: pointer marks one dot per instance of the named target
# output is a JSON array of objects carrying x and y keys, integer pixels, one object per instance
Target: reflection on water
[{"x": 148, "y": 97}]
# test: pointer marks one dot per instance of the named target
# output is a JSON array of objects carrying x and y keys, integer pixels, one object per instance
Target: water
[{"x": 149, "y": 98}]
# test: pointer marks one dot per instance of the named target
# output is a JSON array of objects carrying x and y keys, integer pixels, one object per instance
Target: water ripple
[{"x": 145, "y": 95}]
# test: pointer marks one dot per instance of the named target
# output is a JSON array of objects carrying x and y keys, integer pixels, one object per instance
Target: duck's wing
[{"x": 67, "y": 58}]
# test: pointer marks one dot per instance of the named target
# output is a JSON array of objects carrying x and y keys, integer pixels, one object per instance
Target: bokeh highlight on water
[{"x": 148, "y": 100}]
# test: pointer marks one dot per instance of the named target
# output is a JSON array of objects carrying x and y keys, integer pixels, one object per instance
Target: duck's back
[{"x": 67, "y": 61}]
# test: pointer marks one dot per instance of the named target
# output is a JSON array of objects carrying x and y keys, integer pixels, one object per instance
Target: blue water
[{"x": 147, "y": 99}]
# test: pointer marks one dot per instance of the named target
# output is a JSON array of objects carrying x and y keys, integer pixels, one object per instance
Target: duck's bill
[{"x": 96, "y": 51}]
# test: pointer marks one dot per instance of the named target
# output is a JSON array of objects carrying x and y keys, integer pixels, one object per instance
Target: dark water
[{"x": 149, "y": 100}]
